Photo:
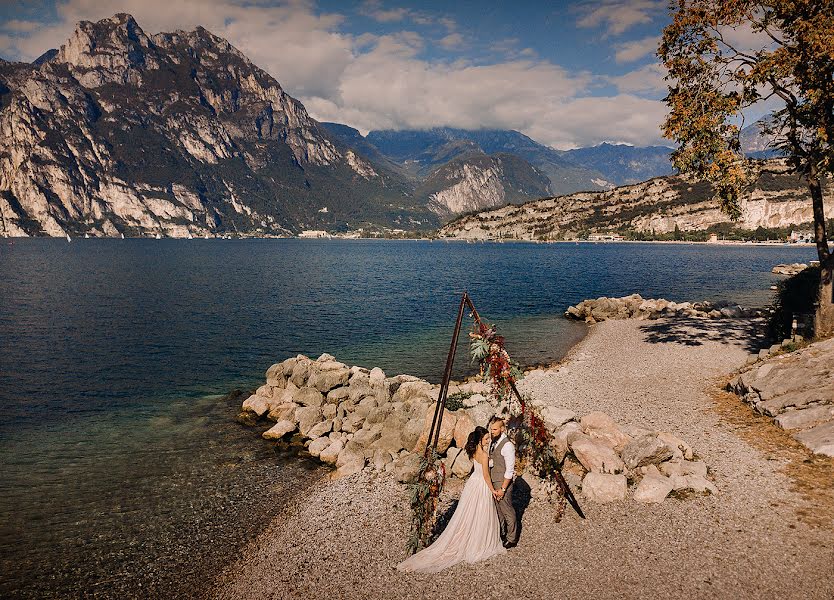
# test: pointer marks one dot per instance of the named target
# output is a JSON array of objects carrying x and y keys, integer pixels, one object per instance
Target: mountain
[
  {"x": 176, "y": 133},
  {"x": 475, "y": 181},
  {"x": 777, "y": 199},
  {"x": 425, "y": 148},
  {"x": 621, "y": 164},
  {"x": 756, "y": 144}
]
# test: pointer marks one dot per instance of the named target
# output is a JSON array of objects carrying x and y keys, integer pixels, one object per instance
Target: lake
[{"x": 123, "y": 470}]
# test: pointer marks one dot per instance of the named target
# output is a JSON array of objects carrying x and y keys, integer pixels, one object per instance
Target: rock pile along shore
[
  {"x": 789, "y": 269},
  {"x": 636, "y": 307},
  {"x": 797, "y": 390},
  {"x": 355, "y": 418}
]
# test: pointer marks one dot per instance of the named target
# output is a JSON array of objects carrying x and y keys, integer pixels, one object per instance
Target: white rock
[
  {"x": 318, "y": 445},
  {"x": 320, "y": 429},
  {"x": 596, "y": 456},
  {"x": 556, "y": 417},
  {"x": 602, "y": 487},
  {"x": 653, "y": 489},
  {"x": 599, "y": 425},
  {"x": 331, "y": 454},
  {"x": 256, "y": 404},
  {"x": 279, "y": 430}
]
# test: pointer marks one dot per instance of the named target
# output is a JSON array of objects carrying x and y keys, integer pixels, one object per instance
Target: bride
[{"x": 473, "y": 533}]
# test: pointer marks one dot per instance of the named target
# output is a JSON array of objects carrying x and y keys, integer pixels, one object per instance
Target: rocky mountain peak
[{"x": 112, "y": 50}]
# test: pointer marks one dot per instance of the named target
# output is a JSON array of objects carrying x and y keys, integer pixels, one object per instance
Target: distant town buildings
[
  {"x": 805, "y": 236},
  {"x": 605, "y": 237},
  {"x": 313, "y": 233}
]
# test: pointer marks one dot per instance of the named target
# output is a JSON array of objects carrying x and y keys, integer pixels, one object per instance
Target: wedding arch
[{"x": 525, "y": 427}]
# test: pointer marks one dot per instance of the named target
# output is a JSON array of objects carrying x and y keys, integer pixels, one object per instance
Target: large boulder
[
  {"x": 411, "y": 432},
  {"x": 446, "y": 435},
  {"x": 458, "y": 462},
  {"x": 320, "y": 429},
  {"x": 275, "y": 375},
  {"x": 604, "y": 487},
  {"x": 366, "y": 437},
  {"x": 318, "y": 445},
  {"x": 307, "y": 417},
  {"x": 283, "y": 412},
  {"x": 555, "y": 417},
  {"x": 415, "y": 390},
  {"x": 308, "y": 397},
  {"x": 683, "y": 468},
  {"x": 301, "y": 371},
  {"x": 819, "y": 439},
  {"x": 653, "y": 488},
  {"x": 600, "y": 426},
  {"x": 331, "y": 454},
  {"x": 256, "y": 404},
  {"x": 463, "y": 427},
  {"x": 680, "y": 449},
  {"x": 279, "y": 430},
  {"x": 646, "y": 450},
  {"x": 595, "y": 455},
  {"x": 328, "y": 376},
  {"x": 407, "y": 468}
]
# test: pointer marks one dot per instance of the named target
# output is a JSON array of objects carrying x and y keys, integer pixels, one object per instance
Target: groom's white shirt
[{"x": 508, "y": 452}]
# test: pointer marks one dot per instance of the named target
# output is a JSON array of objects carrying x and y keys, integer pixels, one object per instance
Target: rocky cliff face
[
  {"x": 778, "y": 199},
  {"x": 476, "y": 182},
  {"x": 176, "y": 133}
]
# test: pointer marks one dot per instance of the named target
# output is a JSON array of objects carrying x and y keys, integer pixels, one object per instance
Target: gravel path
[{"x": 343, "y": 539}]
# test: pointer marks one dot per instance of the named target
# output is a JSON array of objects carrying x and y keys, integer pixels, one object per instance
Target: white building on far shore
[
  {"x": 804, "y": 236},
  {"x": 313, "y": 233}
]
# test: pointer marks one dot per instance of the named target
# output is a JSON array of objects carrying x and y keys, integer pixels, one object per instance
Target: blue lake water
[{"x": 118, "y": 455}]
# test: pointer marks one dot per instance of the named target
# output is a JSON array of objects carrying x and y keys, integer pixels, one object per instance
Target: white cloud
[
  {"x": 636, "y": 49},
  {"x": 452, "y": 41},
  {"x": 20, "y": 26},
  {"x": 647, "y": 80},
  {"x": 373, "y": 81},
  {"x": 618, "y": 16}
]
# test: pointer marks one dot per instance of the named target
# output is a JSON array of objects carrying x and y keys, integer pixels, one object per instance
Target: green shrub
[{"x": 455, "y": 401}]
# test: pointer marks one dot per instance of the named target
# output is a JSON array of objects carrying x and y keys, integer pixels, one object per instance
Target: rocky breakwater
[
  {"x": 605, "y": 460},
  {"x": 636, "y": 307},
  {"x": 355, "y": 418},
  {"x": 352, "y": 417},
  {"x": 789, "y": 269},
  {"x": 797, "y": 390}
]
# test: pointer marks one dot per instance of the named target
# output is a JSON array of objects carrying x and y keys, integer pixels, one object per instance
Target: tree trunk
[{"x": 824, "y": 320}]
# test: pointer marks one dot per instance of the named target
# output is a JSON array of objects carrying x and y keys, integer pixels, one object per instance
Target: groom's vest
[{"x": 499, "y": 466}]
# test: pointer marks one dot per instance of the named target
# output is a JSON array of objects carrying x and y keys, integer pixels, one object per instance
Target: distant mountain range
[{"x": 118, "y": 132}]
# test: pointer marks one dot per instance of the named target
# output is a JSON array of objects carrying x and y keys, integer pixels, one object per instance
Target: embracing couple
[{"x": 474, "y": 531}]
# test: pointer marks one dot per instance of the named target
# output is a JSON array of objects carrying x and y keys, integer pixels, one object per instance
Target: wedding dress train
[{"x": 472, "y": 534}]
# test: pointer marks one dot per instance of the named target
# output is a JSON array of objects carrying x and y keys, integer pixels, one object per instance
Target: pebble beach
[{"x": 767, "y": 533}]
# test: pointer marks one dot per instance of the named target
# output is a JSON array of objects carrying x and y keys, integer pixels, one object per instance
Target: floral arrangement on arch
[{"x": 525, "y": 425}]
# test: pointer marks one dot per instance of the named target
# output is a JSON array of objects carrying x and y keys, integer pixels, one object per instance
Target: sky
[{"x": 568, "y": 74}]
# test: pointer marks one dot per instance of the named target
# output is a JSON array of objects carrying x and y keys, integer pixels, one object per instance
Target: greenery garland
[
  {"x": 525, "y": 425},
  {"x": 424, "y": 496}
]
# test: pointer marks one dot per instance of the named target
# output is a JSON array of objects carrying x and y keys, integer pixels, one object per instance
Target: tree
[{"x": 713, "y": 80}]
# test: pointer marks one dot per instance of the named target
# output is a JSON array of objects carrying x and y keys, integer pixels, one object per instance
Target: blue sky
[{"x": 568, "y": 74}]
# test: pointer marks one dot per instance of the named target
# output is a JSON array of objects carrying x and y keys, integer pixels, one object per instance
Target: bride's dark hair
[{"x": 474, "y": 439}]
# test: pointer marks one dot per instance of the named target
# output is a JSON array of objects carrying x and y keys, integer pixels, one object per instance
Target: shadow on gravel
[
  {"x": 748, "y": 333},
  {"x": 521, "y": 500}
]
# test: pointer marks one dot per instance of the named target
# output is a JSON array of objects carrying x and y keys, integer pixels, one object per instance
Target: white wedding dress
[{"x": 472, "y": 534}]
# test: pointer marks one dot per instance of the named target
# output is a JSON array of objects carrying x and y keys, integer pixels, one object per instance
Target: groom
[{"x": 501, "y": 471}]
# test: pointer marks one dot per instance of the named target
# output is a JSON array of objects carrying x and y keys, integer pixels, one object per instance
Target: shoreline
[
  {"x": 774, "y": 244},
  {"x": 344, "y": 537}
]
